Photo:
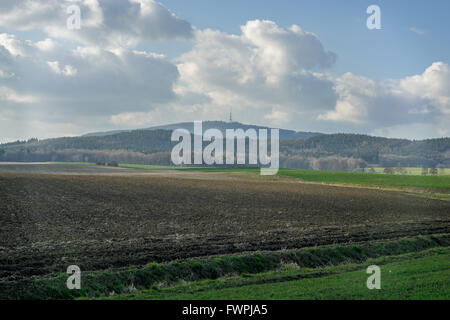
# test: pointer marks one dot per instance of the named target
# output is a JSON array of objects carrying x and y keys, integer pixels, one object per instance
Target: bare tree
[{"x": 401, "y": 170}]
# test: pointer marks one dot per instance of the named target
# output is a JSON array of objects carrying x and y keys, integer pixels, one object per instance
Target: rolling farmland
[{"x": 102, "y": 218}]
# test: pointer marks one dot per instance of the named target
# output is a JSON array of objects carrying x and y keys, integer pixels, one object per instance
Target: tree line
[{"x": 347, "y": 152}]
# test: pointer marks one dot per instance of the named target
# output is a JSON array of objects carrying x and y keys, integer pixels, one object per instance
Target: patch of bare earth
[{"x": 48, "y": 222}]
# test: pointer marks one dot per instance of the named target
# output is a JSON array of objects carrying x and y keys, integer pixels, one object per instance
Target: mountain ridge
[
  {"x": 221, "y": 125},
  {"x": 339, "y": 151}
]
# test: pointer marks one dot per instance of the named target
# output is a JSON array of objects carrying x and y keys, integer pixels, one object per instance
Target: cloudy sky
[{"x": 302, "y": 65}]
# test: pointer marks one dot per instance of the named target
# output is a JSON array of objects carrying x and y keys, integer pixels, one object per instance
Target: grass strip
[
  {"x": 104, "y": 283},
  {"x": 418, "y": 275}
]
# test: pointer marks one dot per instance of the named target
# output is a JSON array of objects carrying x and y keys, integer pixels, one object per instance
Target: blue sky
[{"x": 301, "y": 65}]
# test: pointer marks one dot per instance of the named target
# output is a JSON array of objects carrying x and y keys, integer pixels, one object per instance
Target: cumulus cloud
[
  {"x": 279, "y": 76},
  {"x": 433, "y": 85},
  {"x": 109, "y": 23},
  {"x": 277, "y": 117},
  {"x": 54, "y": 83},
  {"x": 423, "y": 98},
  {"x": 7, "y": 94},
  {"x": 283, "y": 50},
  {"x": 268, "y": 74},
  {"x": 265, "y": 68},
  {"x": 51, "y": 82},
  {"x": 263, "y": 53},
  {"x": 68, "y": 70}
]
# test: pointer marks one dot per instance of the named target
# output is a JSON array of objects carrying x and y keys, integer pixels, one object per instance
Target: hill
[
  {"x": 221, "y": 125},
  {"x": 346, "y": 152},
  {"x": 374, "y": 150}
]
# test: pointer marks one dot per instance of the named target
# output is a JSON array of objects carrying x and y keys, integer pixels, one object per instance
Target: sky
[{"x": 301, "y": 65}]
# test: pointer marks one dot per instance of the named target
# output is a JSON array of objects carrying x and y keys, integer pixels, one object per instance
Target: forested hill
[
  {"x": 347, "y": 151},
  {"x": 371, "y": 149},
  {"x": 145, "y": 141},
  {"x": 220, "y": 125}
]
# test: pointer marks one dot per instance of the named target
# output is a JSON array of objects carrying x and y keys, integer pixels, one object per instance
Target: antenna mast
[{"x": 231, "y": 110}]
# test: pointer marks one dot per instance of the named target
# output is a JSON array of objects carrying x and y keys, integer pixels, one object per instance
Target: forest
[{"x": 346, "y": 152}]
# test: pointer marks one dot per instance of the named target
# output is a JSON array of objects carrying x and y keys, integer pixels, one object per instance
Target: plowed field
[{"x": 51, "y": 221}]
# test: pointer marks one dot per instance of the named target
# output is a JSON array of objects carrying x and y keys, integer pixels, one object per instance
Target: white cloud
[
  {"x": 46, "y": 45},
  {"x": 278, "y": 76},
  {"x": 432, "y": 85},
  {"x": 277, "y": 117},
  {"x": 418, "y": 31},
  {"x": 8, "y": 94},
  {"x": 132, "y": 119},
  {"x": 83, "y": 83},
  {"x": 12, "y": 45},
  {"x": 281, "y": 50},
  {"x": 5, "y": 75},
  {"x": 263, "y": 54},
  {"x": 109, "y": 23},
  {"x": 267, "y": 73},
  {"x": 423, "y": 98},
  {"x": 104, "y": 76},
  {"x": 68, "y": 70}
]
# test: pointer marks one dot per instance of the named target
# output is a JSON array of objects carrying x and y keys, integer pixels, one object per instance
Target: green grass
[
  {"x": 356, "y": 178},
  {"x": 422, "y": 275},
  {"x": 439, "y": 181},
  {"x": 102, "y": 283},
  {"x": 409, "y": 170}
]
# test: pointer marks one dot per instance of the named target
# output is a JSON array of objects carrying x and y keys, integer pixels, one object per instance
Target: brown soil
[{"x": 48, "y": 222}]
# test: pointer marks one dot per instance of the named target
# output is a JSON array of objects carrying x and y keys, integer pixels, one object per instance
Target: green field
[
  {"x": 411, "y": 170},
  {"x": 438, "y": 181},
  {"x": 420, "y": 275},
  {"x": 354, "y": 178},
  {"x": 333, "y": 177}
]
